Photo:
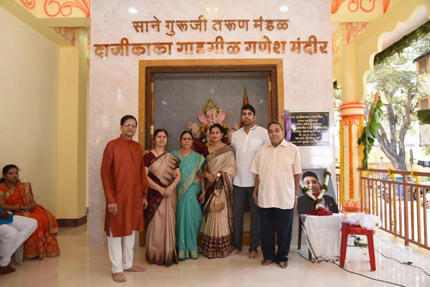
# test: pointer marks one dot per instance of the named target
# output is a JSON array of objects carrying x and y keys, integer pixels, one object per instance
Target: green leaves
[{"x": 396, "y": 75}]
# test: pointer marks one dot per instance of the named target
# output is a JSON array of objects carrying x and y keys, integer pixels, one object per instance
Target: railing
[{"x": 402, "y": 205}]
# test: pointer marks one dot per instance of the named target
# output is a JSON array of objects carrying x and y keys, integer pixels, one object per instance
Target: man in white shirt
[
  {"x": 278, "y": 169},
  {"x": 245, "y": 142}
]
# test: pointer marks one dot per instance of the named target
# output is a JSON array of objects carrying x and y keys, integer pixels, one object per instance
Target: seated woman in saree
[
  {"x": 17, "y": 197},
  {"x": 220, "y": 168},
  {"x": 188, "y": 213},
  {"x": 162, "y": 169}
]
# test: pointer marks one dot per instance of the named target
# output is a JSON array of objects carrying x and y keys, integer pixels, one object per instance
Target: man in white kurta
[
  {"x": 278, "y": 169},
  {"x": 245, "y": 142}
]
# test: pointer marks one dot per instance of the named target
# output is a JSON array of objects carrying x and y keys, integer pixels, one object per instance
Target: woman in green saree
[{"x": 188, "y": 211}]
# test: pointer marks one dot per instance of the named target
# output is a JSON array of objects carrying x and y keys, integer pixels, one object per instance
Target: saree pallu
[
  {"x": 188, "y": 213},
  {"x": 43, "y": 242},
  {"x": 219, "y": 224},
  {"x": 160, "y": 213}
]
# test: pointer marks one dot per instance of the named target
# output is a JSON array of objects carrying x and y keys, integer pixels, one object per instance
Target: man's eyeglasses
[{"x": 128, "y": 125}]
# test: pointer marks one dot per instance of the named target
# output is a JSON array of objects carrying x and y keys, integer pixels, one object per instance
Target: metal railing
[{"x": 401, "y": 204}]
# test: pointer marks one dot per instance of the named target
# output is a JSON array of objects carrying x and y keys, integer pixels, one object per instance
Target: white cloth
[
  {"x": 13, "y": 235},
  {"x": 276, "y": 168},
  {"x": 121, "y": 252},
  {"x": 245, "y": 146},
  {"x": 323, "y": 235}
]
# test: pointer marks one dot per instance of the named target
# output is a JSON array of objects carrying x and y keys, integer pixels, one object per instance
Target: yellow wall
[
  {"x": 72, "y": 129},
  {"x": 29, "y": 65}
]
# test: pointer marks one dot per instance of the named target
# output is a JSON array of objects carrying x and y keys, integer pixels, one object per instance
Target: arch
[
  {"x": 367, "y": 44},
  {"x": 368, "y": 47}
]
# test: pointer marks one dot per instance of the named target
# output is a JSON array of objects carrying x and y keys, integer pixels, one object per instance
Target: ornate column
[
  {"x": 351, "y": 126},
  {"x": 352, "y": 111}
]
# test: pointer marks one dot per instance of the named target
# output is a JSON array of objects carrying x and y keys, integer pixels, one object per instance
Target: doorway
[
  {"x": 150, "y": 69},
  {"x": 154, "y": 72}
]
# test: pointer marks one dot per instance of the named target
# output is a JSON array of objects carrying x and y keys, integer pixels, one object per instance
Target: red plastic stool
[{"x": 357, "y": 231}]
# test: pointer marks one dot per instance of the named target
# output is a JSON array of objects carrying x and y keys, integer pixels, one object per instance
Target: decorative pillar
[
  {"x": 350, "y": 156},
  {"x": 352, "y": 111}
]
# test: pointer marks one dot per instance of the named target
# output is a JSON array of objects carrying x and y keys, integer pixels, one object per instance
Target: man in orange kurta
[{"x": 125, "y": 187}]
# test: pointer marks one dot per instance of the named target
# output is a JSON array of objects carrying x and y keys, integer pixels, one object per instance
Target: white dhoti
[{"x": 13, "y": 235}]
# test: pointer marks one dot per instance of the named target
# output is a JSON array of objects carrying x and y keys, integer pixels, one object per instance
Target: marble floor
[{"x": 80, "y": 265}]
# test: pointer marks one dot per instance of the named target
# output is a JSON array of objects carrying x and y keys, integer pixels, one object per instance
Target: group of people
[
  {"x": 22, "y": 221},
  {"x": 170, "y": 193}
]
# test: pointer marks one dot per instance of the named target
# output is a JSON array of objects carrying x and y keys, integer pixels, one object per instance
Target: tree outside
[{"x": 397, "y": 77}]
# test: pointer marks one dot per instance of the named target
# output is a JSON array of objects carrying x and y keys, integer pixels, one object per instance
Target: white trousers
[
  {"x": 121, "y": 252},
  {"x": 13, "y": 235}
]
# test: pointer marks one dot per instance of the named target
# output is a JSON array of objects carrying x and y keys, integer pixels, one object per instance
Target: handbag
[{"x": 217, "y": 202}]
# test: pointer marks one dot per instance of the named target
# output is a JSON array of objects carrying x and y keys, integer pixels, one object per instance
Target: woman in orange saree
[
  {"x": 17, "y": 197},
  {"x": 162, "y": 169}
]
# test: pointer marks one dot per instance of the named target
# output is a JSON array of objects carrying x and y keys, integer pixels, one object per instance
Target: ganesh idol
[{"x": 211, "y": 115}]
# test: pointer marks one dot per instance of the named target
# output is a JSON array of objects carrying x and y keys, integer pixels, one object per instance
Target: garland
[
  {"x": 341, "y": 187},
  {"x": 390, "y": 173},
  {"x": 418, "y": 192},
  {"x": 287, "y": 120},
  {"x": 351, "y": 158},
  {"x": 372, "y": 174},
  {"x": 406, "y": 41},
  {"x": 319, "y": 209},
  {"x": 361, "y": 153}
]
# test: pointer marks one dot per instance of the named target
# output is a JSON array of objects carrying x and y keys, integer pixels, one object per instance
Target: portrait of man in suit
[{"x": 305, "y": 204}]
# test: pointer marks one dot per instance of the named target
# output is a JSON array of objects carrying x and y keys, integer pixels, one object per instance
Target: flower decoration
[
  {"x": 320, "y": 212},
  {"x": 390, "y": 173},
  {"x": 287, "y": 119},
  {"x": 417, "y": 179}
]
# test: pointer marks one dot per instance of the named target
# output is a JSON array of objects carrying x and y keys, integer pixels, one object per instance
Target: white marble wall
[{"x": 114, "y": 80}]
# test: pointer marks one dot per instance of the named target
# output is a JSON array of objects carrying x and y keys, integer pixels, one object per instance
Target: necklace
[
  {"x": 217, "y": 148},
  {"x": 20, "y": 196},
  {"x": 183, "y": 153}
]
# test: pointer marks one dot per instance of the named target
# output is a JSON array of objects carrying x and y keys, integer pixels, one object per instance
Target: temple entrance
[
  {"x": 172, "y": 93},
  {"x": 151, "y": 69}
]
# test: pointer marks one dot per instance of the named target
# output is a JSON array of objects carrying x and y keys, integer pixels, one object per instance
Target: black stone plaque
[{"x": 310, "y": 129}]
